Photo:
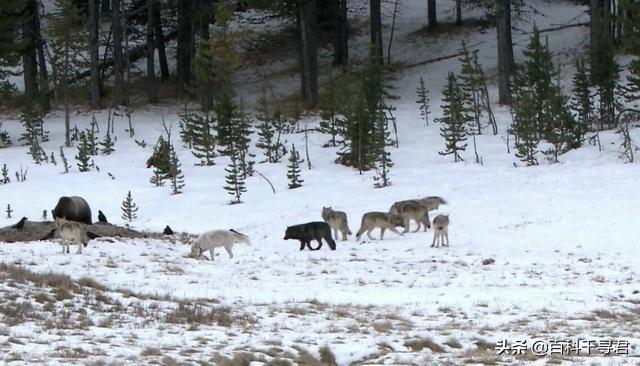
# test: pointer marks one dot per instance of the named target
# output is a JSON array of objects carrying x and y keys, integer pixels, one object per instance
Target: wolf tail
[
  {"x": 359, "y": 233},
  {"x": 442, "y": 201}
]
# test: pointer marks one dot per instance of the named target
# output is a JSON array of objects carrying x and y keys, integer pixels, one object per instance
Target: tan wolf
[
  {"x": 337, "y": 220},
  {"x": 381, "y": 220},
  {"x": 72, "y": 231},
  {"x": 417, "y": 213},
  {"x": 429, "y": 203},
  {"x": 440, "y": 230}
]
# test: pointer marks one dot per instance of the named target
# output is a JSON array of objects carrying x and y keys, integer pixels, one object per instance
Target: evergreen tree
[
  {"x": 34, "y": 132},
  {"x": 605, "y": 76},
  {"x": 456, "y": 116},
  {"x": 107, "y": 144},
  {"x": 234, "y": 180},
  {"x": 423, "y": 101},
  {"x": 269, "y": 132},
  {"x": 129, "y": 209},
  {"x": 382, "y": 157},
  {"x": 5, "y": 175},
  {"x": 83, "y": 157},
  {"x": 175, "y": 173},
  {"x": 203, "y": 142},
  {"x": 241, "y": 139},
  {"x": 156, "y": 179},
  {"x": 9, "y": 211},
  {"x": 161, "y": 157},
  {"x": 52, "y": 158},
  {"x": 92, "y": 137},
  {"x": 524, "y": 128},
  {"x": 540, "y": 73},
  {"x": 330, "y": 102},
  {"x": 471, "y": 86},
  {"x": 293, "y": 173},
  {"x": 582, "y": 102},
  {"x": 65, "y": 163},
  {"x": 186, "y": 124},
  {"x": 565, "y": 132},
  {"x": 368, "y": 102}
]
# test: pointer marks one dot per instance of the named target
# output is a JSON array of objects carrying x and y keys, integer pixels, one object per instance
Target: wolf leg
[
  {"x": 396, "y": 231},
  {"x": 369, "y": 234},
  {"x": 331, "y": 242},
  {"x": 211, "y": 254},
  {"x": 302, "y": 244},
  {"x": 407, "y": 225},
  {"x": 382, "y": 233},
  {"x": 79, "y": 251},
  {"x": 228, "y": 249},
  {"x": 418, "y": 228}
]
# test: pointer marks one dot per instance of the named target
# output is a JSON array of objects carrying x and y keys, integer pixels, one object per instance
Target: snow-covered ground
[{"x": 561, "y": 238}]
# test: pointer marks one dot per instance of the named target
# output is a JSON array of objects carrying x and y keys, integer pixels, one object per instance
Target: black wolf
[
  {"x": 73, "y": 209},
  {"x": 311, "y": 231}
]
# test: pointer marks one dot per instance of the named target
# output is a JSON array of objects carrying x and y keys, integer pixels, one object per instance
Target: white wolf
[
  {"x": 440, "y": 230},
  {"x": 217, "y": 238},
  {"x": 72, "y": 231}
]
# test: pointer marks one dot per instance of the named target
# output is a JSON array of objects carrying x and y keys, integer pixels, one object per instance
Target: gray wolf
[
  {"x": 337, "y": 220},
  {"x": 429, "y": 203},
  {"x": 417, "y": 213},
  {"x": 315, "y": 230},
  {"x": 381, "y": 220},
  {"x": 440, "y": 230},
  {"x": 217, "y": 238},
  {"x": 72, "y": 231},
  {"x": 73, "y": 208}
]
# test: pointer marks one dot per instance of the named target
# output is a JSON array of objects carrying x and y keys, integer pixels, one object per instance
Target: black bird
[
  {"x": 102, "y": 217},
  {"x": 20, "y": 224},
  {"x": 167, "y": 231}
]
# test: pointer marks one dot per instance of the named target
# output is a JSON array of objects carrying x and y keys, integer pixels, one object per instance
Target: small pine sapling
[
  {"x": 293, "y": 173},
  {"x": 129, "y": 209},
  {"x": 52, "y": 158},
  {"x": 454, "y": 120},
  {"x": 234, "y": 180},
  {"x": 9, "y": 211},
  {"x": 5, "y": 175},
  {"x": 83, "y": 157},
  {"x": 65, "y": 163},
  {"x": 175, "y": 172},
  {"x": 107, "y": 144},
  {"x": 423, "y": 101},
  {"x": 44, "y": 215},
  {"x": 382, "y": 157}
]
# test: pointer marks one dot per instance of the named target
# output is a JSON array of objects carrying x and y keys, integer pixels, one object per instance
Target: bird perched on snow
[
  {"x": 102, "y": 218},
  {"x": 20, "y": 224},
  {"x": 167, "y": 231}
]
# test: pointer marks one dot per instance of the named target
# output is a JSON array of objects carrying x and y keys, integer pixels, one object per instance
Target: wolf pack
[{"x": 72, "y": 217}]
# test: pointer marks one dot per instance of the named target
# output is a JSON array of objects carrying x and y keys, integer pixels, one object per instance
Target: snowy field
[{"x": 541, "y": 253}]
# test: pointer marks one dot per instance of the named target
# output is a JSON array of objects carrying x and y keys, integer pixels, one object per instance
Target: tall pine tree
[{"x": 456, "y": 116}]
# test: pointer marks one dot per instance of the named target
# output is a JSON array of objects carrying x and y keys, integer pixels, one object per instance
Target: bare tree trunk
[
  {"x": 43, "y": 82},
  {"x": 29, "y": 60},
  {"x": 151, "y": 61},
  {"x": 105, "y": 7},
  {"x": 505, "y": 51},
  {"x": 65, "y": 90},
  {"x": 93, "y": 54},
  {"x": 308, "y": 52},
  {"x": 596, "y": 20},
  {"x": 375, "y": 19},
  {"x": 118, "y": 58},
  {"x": 183, "y": 67},
  {"x": 393, "y": 28},
  {"x": 160, "y": 41},
  {"x": 432, "y": 15},
  {"x": 458, "y": 12},
  {"x": 341, "y": 54}
]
